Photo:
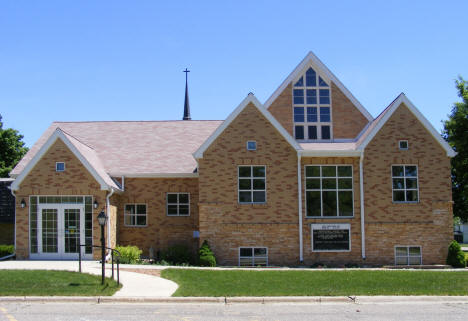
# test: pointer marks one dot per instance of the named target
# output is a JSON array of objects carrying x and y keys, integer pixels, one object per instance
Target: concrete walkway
[{"x": 133, "y": 284}]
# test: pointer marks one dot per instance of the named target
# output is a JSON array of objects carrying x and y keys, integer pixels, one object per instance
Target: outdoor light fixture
[
  {"x": 23, "y": 203},
  {"x": 102, "y": 218},
  {"x": 95, "y": 204}
]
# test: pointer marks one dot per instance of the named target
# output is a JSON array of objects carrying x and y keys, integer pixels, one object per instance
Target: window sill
[
  {"x": 407, "y": 203},
  {"x": 136, "y": 226}
]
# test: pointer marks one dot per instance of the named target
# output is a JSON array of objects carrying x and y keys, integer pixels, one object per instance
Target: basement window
[
  {"x": 253, "y": 256},
  {"x": 408, "y": 255},
  {"x": 60, "y": 167}
]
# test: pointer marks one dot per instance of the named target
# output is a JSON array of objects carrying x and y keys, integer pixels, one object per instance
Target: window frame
[
  {"x": 251, "y": 190},
  {"x": 178, "y": 204},
  {"x": 408, "y": 255},
  {"x": 404, "y": 180},
  {"x": 146, "y": 214},
  {"x": 251, "y": 141},
  {"x": 253, "y": 255},
  {"x": 56, "y": 167},
  {"x": 402, "y": 141},
  {"x": 348, "y": 225},
  {"x": 321, "y": 190}
]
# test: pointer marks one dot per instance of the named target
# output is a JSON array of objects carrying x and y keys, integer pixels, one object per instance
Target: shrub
[
  {"x": 456, "y": 257},
  {"x": 129, "y": 254},
  {"x": 6, "y": 250},
  {"x": 205, "y": 255},
  {"x": 176, "y": 255}
]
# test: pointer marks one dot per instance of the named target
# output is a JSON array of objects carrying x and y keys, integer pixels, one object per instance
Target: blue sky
[{"x": 123, "y": 60}]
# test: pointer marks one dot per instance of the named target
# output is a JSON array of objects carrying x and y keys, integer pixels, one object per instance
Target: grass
[
  {"x": 53, "y": 283},
  {"x": 316, "y": 283}
]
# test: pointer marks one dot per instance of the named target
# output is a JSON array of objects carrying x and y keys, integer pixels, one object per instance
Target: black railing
[{"x": 112, "y": 259}]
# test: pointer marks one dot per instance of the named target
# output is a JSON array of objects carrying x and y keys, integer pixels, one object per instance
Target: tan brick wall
[
  {"x": 228, "y": 225},
  {"x": 427, "y": 223},
  {"x": 44, "y": 180},
  {"x": 113, "y": 226},
  {"x": 334, "y": 258},
  {"x": 161, "y": 230},
  {"x": 348, "y": 121}
]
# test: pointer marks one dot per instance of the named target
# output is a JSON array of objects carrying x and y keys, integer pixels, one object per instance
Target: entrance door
[{"x": 60, "y": 231}]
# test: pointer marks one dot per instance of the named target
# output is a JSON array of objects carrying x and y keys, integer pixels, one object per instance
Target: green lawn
[
  {"x": 48, "y": 283},
  {"x": 316, "y": 283}
]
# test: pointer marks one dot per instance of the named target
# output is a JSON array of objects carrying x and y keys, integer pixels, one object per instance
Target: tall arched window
[{"x": 312, "y": 107}]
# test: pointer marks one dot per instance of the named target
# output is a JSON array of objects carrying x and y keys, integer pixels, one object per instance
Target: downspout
[
  {"x": 299, "y": 188},
  {"x": 361, "y": 193},
  {"x": 108, "y": 220},
  {"x": 13, "y": 193}
]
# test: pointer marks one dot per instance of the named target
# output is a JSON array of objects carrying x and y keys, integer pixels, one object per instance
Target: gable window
[
  {"x": 60, "y": 167},
  {"x": 408, "y": 255},
  {"x": 251, "y": 145},
  {"x": 405, "y": 183},
  {"x": 329, "y": 191},
  {"x": 312, "y": 107},
  {"x": 178, "y": 204},
  {"x": 135, "y": 215},
  {"x": 403, "y": 144},
  {"x": 252, "y": 184},
  {"x": 253, "y": 256}
]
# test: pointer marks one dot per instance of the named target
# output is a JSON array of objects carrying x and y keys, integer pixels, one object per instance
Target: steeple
[{"x": 186, "y": 103}]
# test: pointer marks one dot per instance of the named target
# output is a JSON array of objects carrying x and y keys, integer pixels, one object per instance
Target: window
[
  {"x": 329, "y": 191},
  {"x": 178, "y": 204},
  {"x": 252, "y": 184},
  {"x": 135, "y": 215},
  {"x": 312, "y": 107},
  {"x": 253, "y": 256},
  {"x": 403, "y": 144},
  {"x": 59, "y": 167},
  {"x": 251, "y": 145},
  {"x": 408, "y": 255},
  {"x": 405, "y": 183},
  {"x": 331, "y": 237}
]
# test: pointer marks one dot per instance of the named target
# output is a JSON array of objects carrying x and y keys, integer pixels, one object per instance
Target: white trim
[
  {"x": 154, "y": 175},
  {"x": 58, "y": 134},
  {"x": 361, "y": 196},
  {"x": 253, "y": 254},
  {"x": 178, "y": 204},
  {"x": 64, "y": 167},
  {"x": 299, "y": 188},
  {"x": 135, "y": 214},
  {"x": 313, "y": 60},
  {"x": 408, "y": 256},
  {"x": 339, "y": 226},
  {"x": 251, "y": 190},
  {"x": 249, "y": 99},
  {"x": 402, "y": 99}
]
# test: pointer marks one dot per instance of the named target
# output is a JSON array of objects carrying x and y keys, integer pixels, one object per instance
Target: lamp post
[{"x": 102, "y": 218}]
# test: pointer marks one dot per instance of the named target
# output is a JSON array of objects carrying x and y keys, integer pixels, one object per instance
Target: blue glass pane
[
  {"x": 322, "y": 83},
  {"x": 299, "y": 114},
  {"x": 312, "y": 132},
  {"x": 325, "y": 132},
  {"x": 312, "y": 114},
  {"x": 311, "y": 78},
  {"x": 298, "y": 96},
  {"x": 324, "y": 96},
  {"x": 311, "y": 96},
  {"x": 324, "y": 114},
  {"x": 300, "y": 82},
  {"x": 299, "y": 132}
]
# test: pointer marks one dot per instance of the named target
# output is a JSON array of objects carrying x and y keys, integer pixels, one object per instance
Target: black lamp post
[{"x": 102, "y": 218}]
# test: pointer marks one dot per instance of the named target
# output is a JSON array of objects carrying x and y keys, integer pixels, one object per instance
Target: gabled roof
[
  {"x": 313, "y": 60},
  {"x": 249, "y": 99},
  {"x": 378, "y": 123},
  {"x": 84, "y": 153}
]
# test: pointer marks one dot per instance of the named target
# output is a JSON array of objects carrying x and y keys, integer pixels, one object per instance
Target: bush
[
  {"x": 456, "y": 257},
  {"x": 129, "y": 254},
  {"x": 205, "y": 255},
  {"x": 6, "y": 250},
  {"x": 176, "y": 255}
]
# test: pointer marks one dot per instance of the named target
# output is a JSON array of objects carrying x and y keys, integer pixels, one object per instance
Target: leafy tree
[
  {"x": 456, "y": 134},
  {"x": 11, "y": 149}
]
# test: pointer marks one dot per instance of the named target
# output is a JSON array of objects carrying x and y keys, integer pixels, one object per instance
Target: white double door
[{"x": 60, "y": 231}]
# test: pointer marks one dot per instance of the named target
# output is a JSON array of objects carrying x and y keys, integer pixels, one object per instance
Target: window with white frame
[
  {"x": 408, "y": 255},
  {"x": 252, "y": 184},
  {"x": 178, "y": 204},
  {"x": 329, "y": 190},
  {"x": 60, "y": 167},
  {"x": 253, "y": 256},
  {"x": 403, "y": 144},
  {"x": 135, "y": 215},
  {"x": 405, "y": 183},
  {"x": 251, "y": 145},
  {"x": 312, "y": 107}
]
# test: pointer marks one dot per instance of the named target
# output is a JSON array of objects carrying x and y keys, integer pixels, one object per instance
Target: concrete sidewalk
[{"x": 133, "y": 284}]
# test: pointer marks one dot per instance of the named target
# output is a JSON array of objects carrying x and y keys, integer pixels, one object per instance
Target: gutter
[
  {"x": 361, "y": 193},
  {"x": 299, "y": 187}
]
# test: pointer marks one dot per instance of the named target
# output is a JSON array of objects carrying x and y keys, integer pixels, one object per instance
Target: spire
[{"x": 186, "y": 103}]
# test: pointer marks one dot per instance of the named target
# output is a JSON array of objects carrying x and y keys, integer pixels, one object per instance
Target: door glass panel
[
  {"x": 72, "y": 230},
  {"x": 49, "y": 230}
]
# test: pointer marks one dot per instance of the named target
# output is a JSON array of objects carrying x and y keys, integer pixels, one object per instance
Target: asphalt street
[{"x": 251, "y": 312}]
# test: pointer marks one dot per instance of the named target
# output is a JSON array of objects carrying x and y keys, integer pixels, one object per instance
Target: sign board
[{"x": 331, "y": 237}]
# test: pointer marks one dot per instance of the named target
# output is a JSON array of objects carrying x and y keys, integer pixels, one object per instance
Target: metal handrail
[{"x": 112, "y": 259}]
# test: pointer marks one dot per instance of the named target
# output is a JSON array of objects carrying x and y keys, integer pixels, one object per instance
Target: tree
[
  {"x": 456, "y": 134},
  {"x": 12, "y": 149}
]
